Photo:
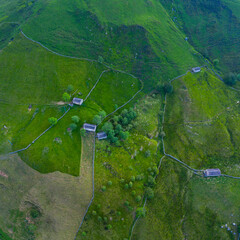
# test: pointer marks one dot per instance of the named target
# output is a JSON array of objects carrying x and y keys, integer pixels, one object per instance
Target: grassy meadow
[{"x": 31, "y": 75}]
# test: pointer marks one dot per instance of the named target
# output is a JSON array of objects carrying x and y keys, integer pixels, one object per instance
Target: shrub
[
  {"x": 75, "y": 119},
  {"x": 109, "y": 226},
  {"x": 130, "y": 184},
  {"x": 107, "y": 127},
  {"x": 83, "y": 132},
  {"x": 52, "y": 120},
  {"x": 100, "y": 59},
  {"x": 104, "y": 188},
  {"x": 102, "y": 114},
  {"x": 151, "y": 181},
  {"x": 133, "y": 193},
  {"x": 97, "y": 119},
  {"x": 138, "y": 177},
  {"x": 70, "y": 88},
  {"x": 149, "y": 169},
  {"x": 155, "y": 170},
  {"x": 73, "y": 126},
  {"x": 141, "y": 212},
  {"x": 66, "y": 97},
  {"x": 162, "y": 134},
  {"x": 105, "y": 219},
  {"x": 100, "y": 218},
  {"x": 167, "y": 88},
  {"x": 126, "y": 203},
  {"x": 124, "y": 135},
  {"x": 122, "y": 180},
  {"x": 149, "y": 193},
  {"x": 130, "y": 208},
  {"x": 109, "y": 183},
  {"x": 230, "y": 79},
  {"x": 99, "y": 206},
  {"x": 147, "y": 153},
  {"x": 119, "y": 213},
  {"x": 133, "y": 178},
  {"x": 215, "y": 62},
  {"x": 138, "y": 198},
  {"x": 126, "y": 186},
  {"x": 94, "y": 213},
  {"x": 84, "y": 234}
]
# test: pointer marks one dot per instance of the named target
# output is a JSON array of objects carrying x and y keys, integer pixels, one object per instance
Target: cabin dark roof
[
  {"x": 101, "y": 135},
  {"x": 77, "y": 101},
  {"x": 212, "y": 172},
  {"x": 89, "y": 127}
]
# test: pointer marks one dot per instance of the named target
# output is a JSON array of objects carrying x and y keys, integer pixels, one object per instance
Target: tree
[
  {"x": 107, "y": 127},
  {"x": 125, "y": 121},
  {"x": 102, "y": 114},
  {"x": 147, "y": 153},
  {"x": 100, "y": 59},
  {"x": 230, "y": 79},
  {"x": 66, "y": 97},
  {"x": 118, "y": 129},
  {"x": 73, "y": 126},
  {"x": 53, "y": 121},
  {"x": 151, "y": 181},
  {"x": 75, "y": 119},
  {"x": 141, "y": 212},
  {"x": 70, "y": 88},
  {"x": 215, "y": 62},
  {"x": 97, "y": 119},
  {"x": 83, "y": 132},
  {"x": 138, "y": 198},
  {"x": 167, "y": 87},
  {"x": 109, "y": 226},
  {"x": 149, "y": 193},
  {"x": 124, "y": 135}
]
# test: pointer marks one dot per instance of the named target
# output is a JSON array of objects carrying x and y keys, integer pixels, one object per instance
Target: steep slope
[
  {"x": 136, "y": 36},
  {"x": 213, "y": 28}
]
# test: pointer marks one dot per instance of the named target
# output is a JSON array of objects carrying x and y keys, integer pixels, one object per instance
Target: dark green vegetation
[
  {"x": 31, "y": 75},
  {"x": 213, "y": 28}
]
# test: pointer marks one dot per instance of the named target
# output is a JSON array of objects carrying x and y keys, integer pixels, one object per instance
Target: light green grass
[{"x": 32, "y": 75}]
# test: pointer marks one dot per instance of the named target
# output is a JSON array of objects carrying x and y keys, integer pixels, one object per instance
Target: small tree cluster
[
  {"x": 99, "y": 117},
  {"x": 73, "y": 125},
  {"x": 117, "y": 128},
  {"x": 231, "y": 78}
]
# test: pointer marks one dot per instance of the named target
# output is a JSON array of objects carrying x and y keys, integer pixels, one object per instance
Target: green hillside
[
  {"x": 142, "y": 40},
  {"x": 213, "y": 28}
]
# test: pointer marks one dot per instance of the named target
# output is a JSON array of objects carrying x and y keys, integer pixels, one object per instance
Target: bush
[
  {"x": 138, "y": 177},
  {"x": 100, "y": 59},
  {"x": 83, "y": 132},
  {"x": 138, "y": 198},
  {"x": 230, "y": 79},
  {"x": 102, "y": 114},
  {"x": 84, "y": 234},
  {"x": 75, "y": 119},
  {"x": 70, "y": 88},
  {"x": 122, "y": 180},
  {"x": 215, "y": 62},
  {"x": 109, "y": 183},
  {"x": 126, "y": 186},
  {"x": 119, "y": 213},
  {"x": 162, "y": 134},
  {"x": 133, "y": 193},
  {"x": 94, "y": 213},
  {"x": 66, "y": 97},
  {"x": 147, "y": 153},
  {"x": 141, "y": 212},
  {"x": 132, "y": 178},
  {"x": 151, "y": 181},
  {"x": 130, "y": 184},
  {"x": 126, "y": 203},
  {"x": 52, "y": 120},
  {"x": 104, "y": 188},
  {"x": 97, "y": 119},
  {"x": 73, "y": 126},
  {"x": 167, "y": 88},
  {"x": 100, "y": 219},
  {"x": 149, "y": 193},
  {"x": 109, "y": 226}
]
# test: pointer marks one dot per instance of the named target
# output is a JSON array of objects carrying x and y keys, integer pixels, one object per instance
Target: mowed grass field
[
  {"x": 58, "y": 200},
  {"x": 32, "y": 75}
]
